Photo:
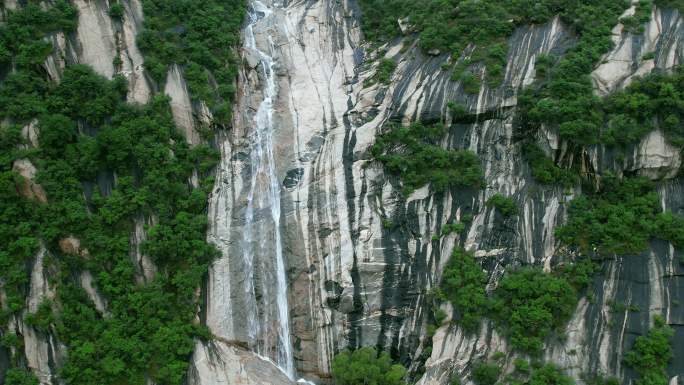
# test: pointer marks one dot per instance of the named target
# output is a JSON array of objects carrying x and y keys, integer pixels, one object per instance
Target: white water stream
[{"x": 264, "y": 198}]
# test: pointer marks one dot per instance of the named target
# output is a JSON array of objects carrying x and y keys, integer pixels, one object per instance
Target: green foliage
[
  {"x": 17, "y": 376},
  {"x": 452, "y": 26},
  {"x": 463, "y": 283},
  {"x": 452, "y": 228},
  {"x": 600, "y": 380},
  {"x": 578, "y": 274},
  {"x": 82, "y": 95},
  {"x": 486, "y": 373},
  {"x": 673, "y": 4},
  {"x": 458, "y": 111},
  {"x": 18, "y": 245},
  {"x": 567, "y": 100},
  {"x": 504, "y": 205},
  {"x": 440, "y": 316},
  {"x": 116, "y": 11},
  {"x": 563, "y": 98},
  {"x": 543, "y": 65},
  {"x": 642, "y": 15},
  {"x": 384, "y": 72},
  {"x": 470, "y": 82},
  {"x": 655, "y": 100},
  {"x": 22, "y": 97},
  {"x": 651, "y": 354},
  {"x": 414, "y": 154},
  {"x": 648, "y": 56},
  {"x": 88, "y": 132},
  {"x": 42, "y": 318},
  {"x": 529, "y": 304},
  {"x": 366, "y": 366},
  {"x": 200, "y": 36},
  {"x": 521, "y": 366},
  {"x": 620, "y": 219},
  {"x": 544, "y": 170},
  {"x": 538, "y": 374}
]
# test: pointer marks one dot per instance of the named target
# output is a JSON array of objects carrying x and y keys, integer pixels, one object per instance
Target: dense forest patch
[
  {"x": 200, "y": 36},
  {"x": 651, "y": 354},
  {"x": 620, "y": 219},
  {"x": 366, "y": 366},
  {"x": 103, "y": 164},
  {"x": 527, "y": 305}
]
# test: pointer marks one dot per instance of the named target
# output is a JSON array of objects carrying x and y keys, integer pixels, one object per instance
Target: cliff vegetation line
[
  {"x": 103, "y": 166},
  {"x": 618, "y": 215}
]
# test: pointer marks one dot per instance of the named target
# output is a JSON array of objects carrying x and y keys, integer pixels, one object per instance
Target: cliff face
[
  {"x": 357, "y": 256},
  {"x": 360, "y": 257}
]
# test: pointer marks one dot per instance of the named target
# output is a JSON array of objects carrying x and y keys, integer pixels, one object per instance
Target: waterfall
[{"x": 262, "y": 236}]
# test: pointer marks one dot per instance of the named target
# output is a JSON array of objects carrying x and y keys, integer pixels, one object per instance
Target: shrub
[
  {"x": 452, "y": 228},
  {"x": 544, "y": 170},
  {"x": 42, "y": 318},
  {"x": 484, "y": 25},
  {"x": 463, "y": 283},
  {"x": 601, "y": 380},
  {"x": 674, "y": 4},
  {"x": 116, "y": 11},
  {"x": 537, "y": 374},
  {"x": 505, "y": 205},
  {"x": 486, "y": 373},
  {"x": 149, "y": 333},
  {"x": 366, "y": 366},
  {"x": 651, "y": 354},
  {"x": 470, "y": 82},
  {"x": 529, "y": 304},
  {"x": 385, "y": 70},
  {"x": 17, "y": 376},
  {"x": 620, "y": 219},
  {"x": 440, "y": 316},
  {"x": 413, "y": 154},
  {"x": 641, "y": 16}
]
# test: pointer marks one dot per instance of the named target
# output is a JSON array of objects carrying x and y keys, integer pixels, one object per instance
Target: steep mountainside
[{"x": 271, "y": 211}]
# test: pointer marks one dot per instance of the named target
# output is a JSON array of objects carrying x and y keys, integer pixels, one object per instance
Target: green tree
[
  {"x": 463, "y": 283},
  {"x": 486, "y": 373},
  {"x": 529, "y": 304},
  {"x": 651, "y": 354},
  {"x": 366, "y": 367}
]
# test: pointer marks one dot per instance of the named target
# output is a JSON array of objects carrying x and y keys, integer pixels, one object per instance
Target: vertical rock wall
[{"x": 361, "y": 256}]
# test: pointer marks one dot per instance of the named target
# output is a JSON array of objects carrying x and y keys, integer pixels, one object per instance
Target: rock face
[
  {"x": 354, "y": 279},
  {"x": 28, "y": 188},
  {"x": 181, "y": 106},
  {"x": 221, "y": 363},
  {"x": 42, "y": 352},
  {"x": 359, "y": 258}
]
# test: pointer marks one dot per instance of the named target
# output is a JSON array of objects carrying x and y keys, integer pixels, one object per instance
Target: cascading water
[{"x": 262, "y": 233}]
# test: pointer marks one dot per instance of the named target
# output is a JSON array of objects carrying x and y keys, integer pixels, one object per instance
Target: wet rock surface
[
  {"x": 354, "y": 279},
  {"x": 359, "y": 256}
]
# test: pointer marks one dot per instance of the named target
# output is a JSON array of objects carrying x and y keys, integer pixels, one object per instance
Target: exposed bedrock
[{"x": 360, "y": 256}]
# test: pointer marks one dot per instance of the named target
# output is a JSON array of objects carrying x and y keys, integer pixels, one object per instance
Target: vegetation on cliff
[
  {"x": 415, "y": 154},
  {"x": 366, "y": 366},
  {"x": 620, "y": 219},
  {"x": 103, "y": 165},
  {"x": 463, "y": 284},
  {"x": 506, "y": 206},
  {"x": 527, "y": 305},
  {"x": 200, "y": 36},
  {"x": 651, "y": 354}
]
